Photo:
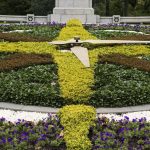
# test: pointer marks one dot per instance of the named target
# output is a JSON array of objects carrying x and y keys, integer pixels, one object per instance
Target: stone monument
[{"x": 79, "y": 9}]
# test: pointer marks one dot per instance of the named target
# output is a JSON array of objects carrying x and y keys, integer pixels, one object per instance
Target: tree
[
  {"x": 14, "y": 7},
  {"x": 125, "y": 7},
  {"x": 107, "y": 3},
  {"x": 42, "y": 7},
  {"x": 147, "y": 6}
]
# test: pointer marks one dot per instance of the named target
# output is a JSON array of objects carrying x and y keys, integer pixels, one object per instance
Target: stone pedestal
[{"x": 79, "y": 9}]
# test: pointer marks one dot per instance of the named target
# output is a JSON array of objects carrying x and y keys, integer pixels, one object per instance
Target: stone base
[
  {"x": 73, "y": 11},
  {"x": 85, "y": 19}
]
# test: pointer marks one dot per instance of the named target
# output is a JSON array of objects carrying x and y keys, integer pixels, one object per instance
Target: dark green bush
[
  {"x": 118, "y": 86},
  {"x": 25, "y": 135},
  {"x": 34, "y": 85},
  {"x": 22, "y": 60}
]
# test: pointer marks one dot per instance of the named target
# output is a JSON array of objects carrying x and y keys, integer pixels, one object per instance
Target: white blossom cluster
[{"x": 13, "y": 116}]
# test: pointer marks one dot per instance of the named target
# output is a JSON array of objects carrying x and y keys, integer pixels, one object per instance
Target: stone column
[{"x": 67, "y": 9}]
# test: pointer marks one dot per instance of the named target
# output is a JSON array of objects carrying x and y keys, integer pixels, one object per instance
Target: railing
[{"x": 116, "y": 19}]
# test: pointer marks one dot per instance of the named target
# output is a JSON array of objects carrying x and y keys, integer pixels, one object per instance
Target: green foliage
[
  {"x": 43, "y": 7},
  {"x": 23, "y": 135},
  {"x": 117, "y": 86},
  {"x": 102, "y": 34},
  {"x": 122, "y": 134},
  {"x": 14, "y": 7},
  {"x": 50, "y": 31},
  {"x": 37, "y": 33},
  {"x": 77, "y": 120},
  {"x": 34, "y": 85}
]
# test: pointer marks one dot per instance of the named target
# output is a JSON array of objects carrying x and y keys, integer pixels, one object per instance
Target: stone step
[{"x": 82, "y": 55}]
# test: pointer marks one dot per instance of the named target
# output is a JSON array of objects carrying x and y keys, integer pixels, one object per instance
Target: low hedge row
[
  {"x": 25, "y": 135},
  {"x": 22, "y": 60},
  {"x": 122, "y": 134},
  {"x": 128, "y": 61},
  {"x": 117, "y": 86},
  {"x": 76, "y": 120},
  {"x": 17, "y": 37}
]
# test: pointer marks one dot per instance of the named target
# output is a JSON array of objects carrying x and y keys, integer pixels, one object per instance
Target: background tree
[
  {"x": 101, "y": 7},
  {"x": 14, "y": 7},
  {"x": 42, "y": 7},
  {"x": 107, "y": 3}
]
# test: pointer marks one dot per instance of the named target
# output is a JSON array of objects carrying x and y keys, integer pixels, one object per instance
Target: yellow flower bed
[
  {"x": 77, "y": 120},
  {"x": 74, "y": 23},
  {"x": 74, "y": 28}
]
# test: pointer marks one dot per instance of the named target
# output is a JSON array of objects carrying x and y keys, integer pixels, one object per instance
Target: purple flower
[
  {"x": 126, "y": 117},
  {"x": 122, "y": 139},
  {"x": 121, "y": 130},
  {"x": 2, "y": 119},
  {"x": 9, "y": 139},
  {"x": 3, "y": 140}
]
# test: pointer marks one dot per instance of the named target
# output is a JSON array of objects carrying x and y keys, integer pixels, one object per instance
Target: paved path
[{"x": 55, "y": 110}]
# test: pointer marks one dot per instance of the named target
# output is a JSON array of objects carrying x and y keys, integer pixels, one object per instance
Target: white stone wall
[
  {"x": 63, "y": 18},
  {"x": 73, "y": 3}
]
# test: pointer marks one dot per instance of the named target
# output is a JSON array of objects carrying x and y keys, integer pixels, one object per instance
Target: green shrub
[
  {"x": 22, "y": 60},
  {"x": 77, "y": 120},
  {"x": 117, "y": 86}
]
